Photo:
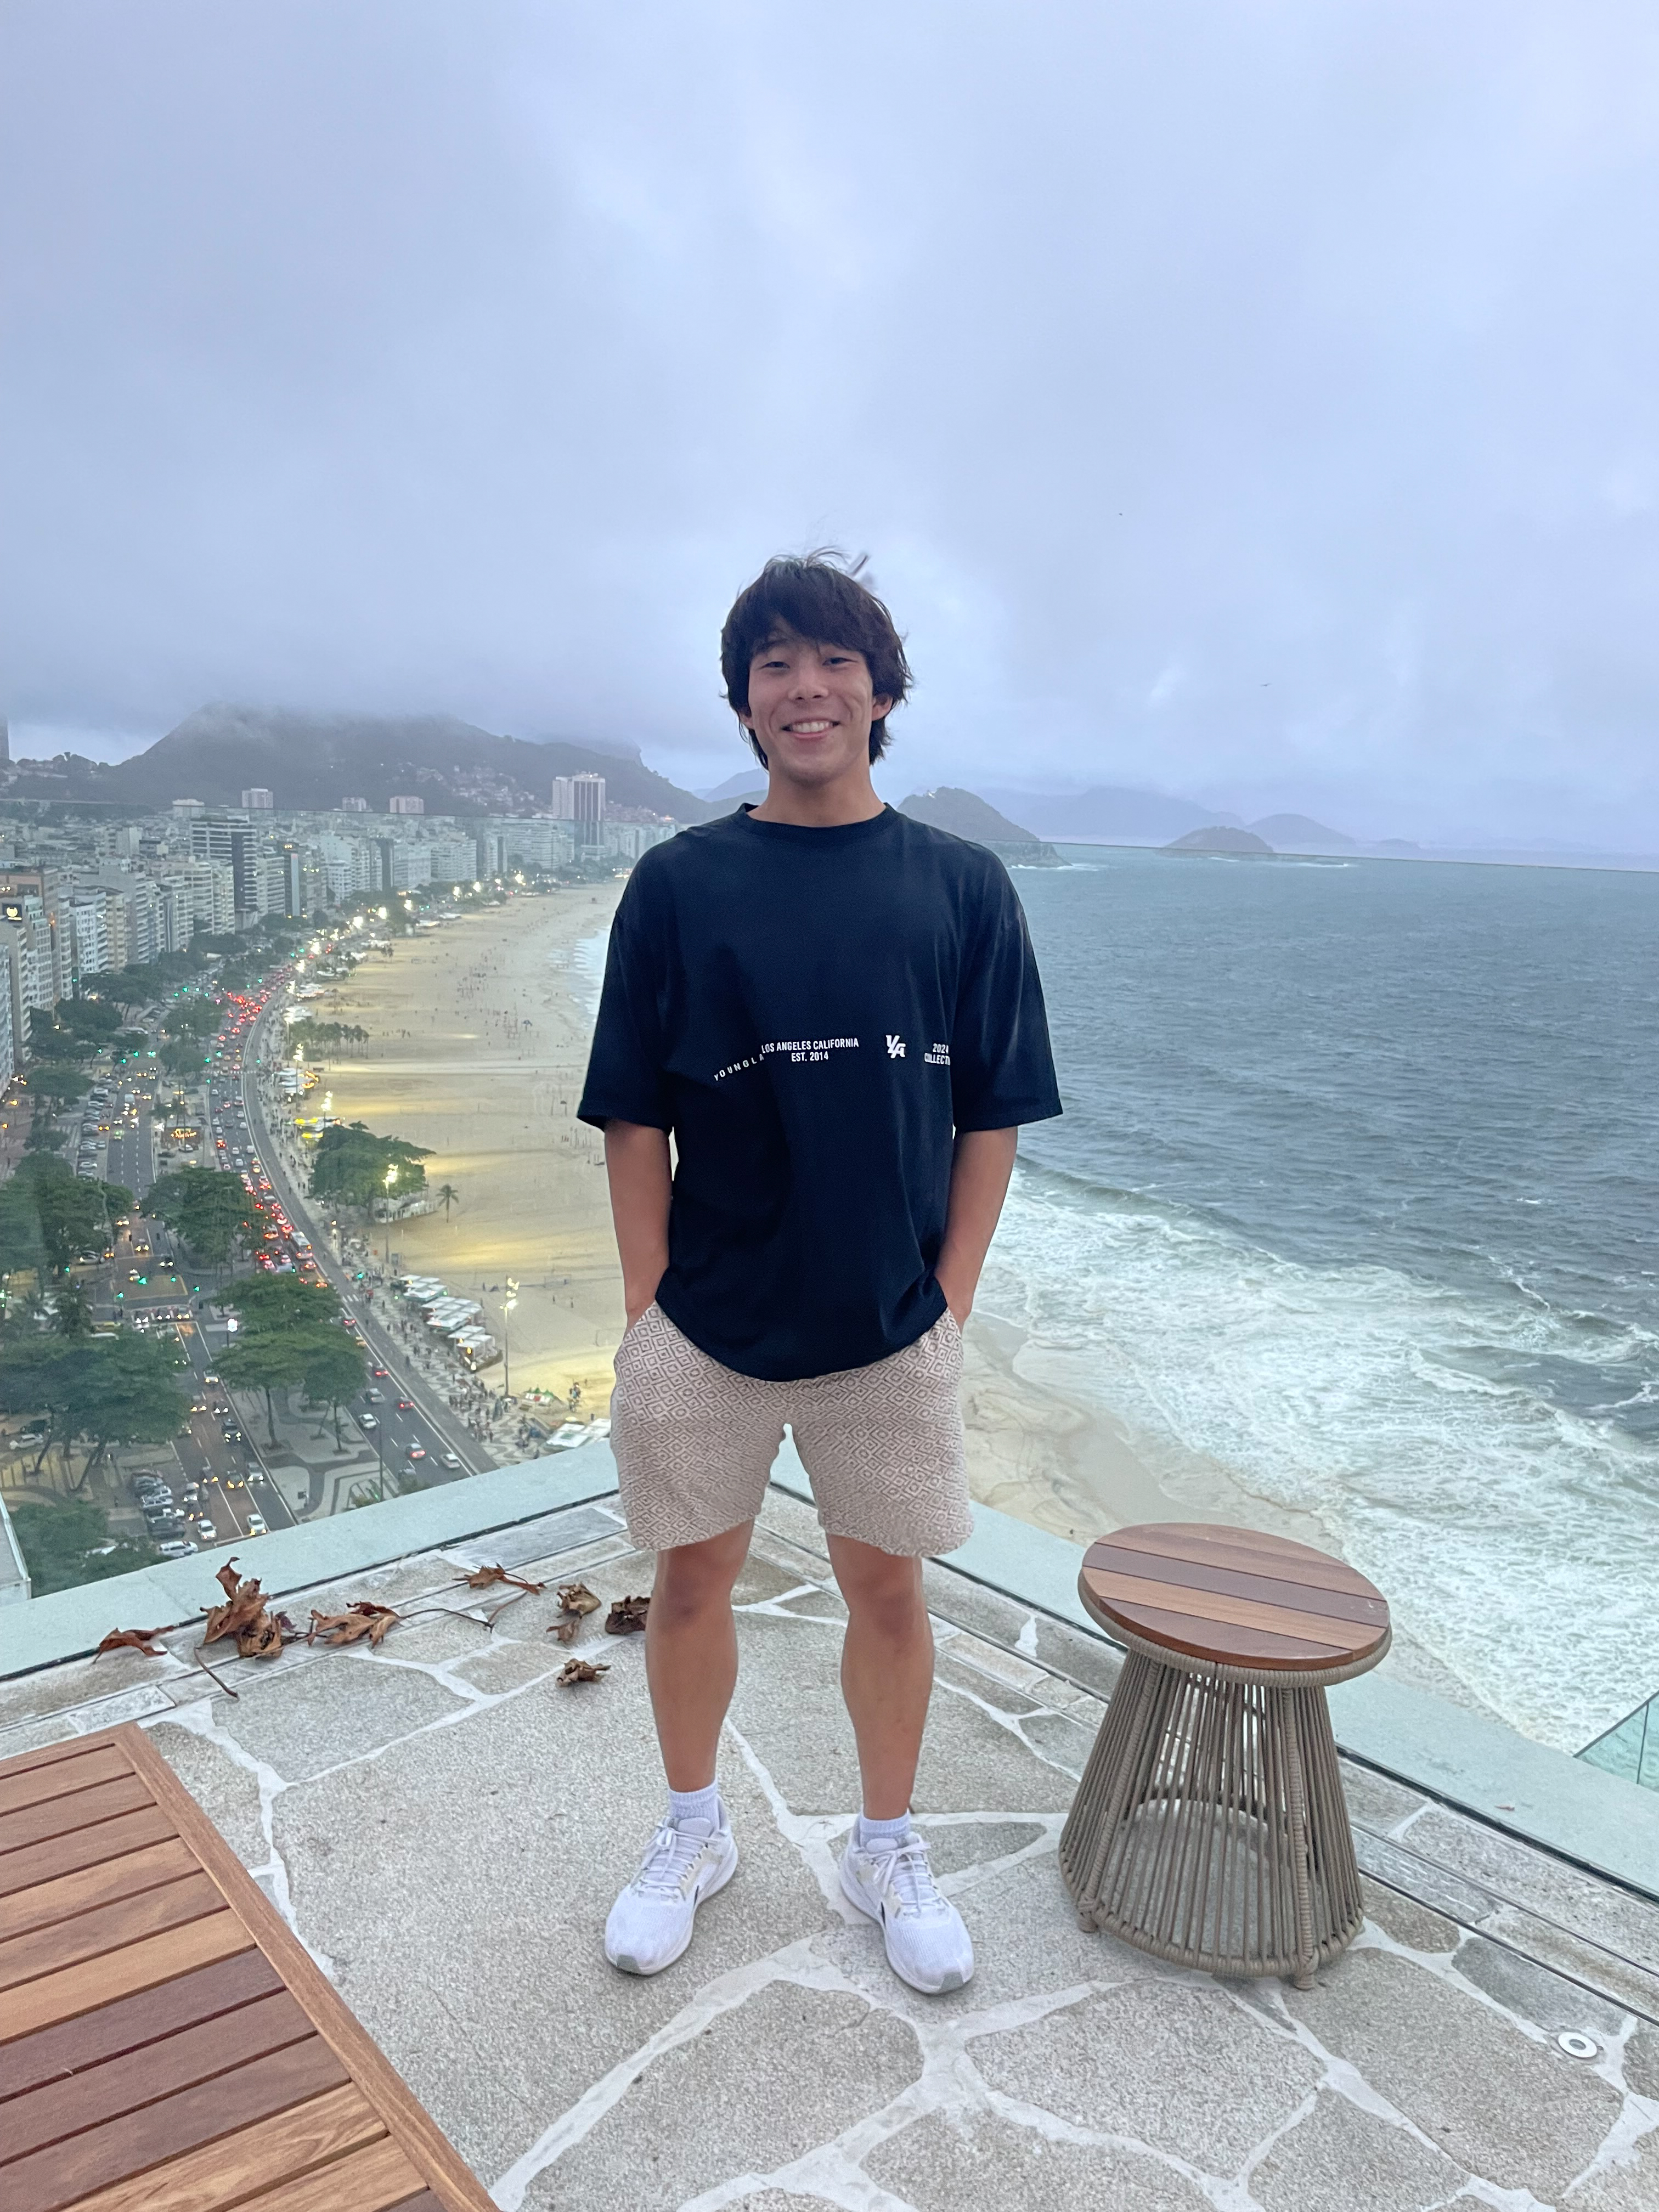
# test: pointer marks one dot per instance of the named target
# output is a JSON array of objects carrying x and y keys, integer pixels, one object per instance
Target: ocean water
[{"x": 1355, "y": 1194}]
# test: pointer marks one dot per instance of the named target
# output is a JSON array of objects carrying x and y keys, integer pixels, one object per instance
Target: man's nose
[{"x": 809, "y": 683}]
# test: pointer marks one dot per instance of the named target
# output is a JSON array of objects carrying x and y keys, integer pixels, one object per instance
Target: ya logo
[{"x": 895, "y": 1048}]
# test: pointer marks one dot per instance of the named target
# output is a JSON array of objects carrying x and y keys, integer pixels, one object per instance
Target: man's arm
[
  {"x": 636, "y": 1161},
  {"x": 983, "y": 1162}
]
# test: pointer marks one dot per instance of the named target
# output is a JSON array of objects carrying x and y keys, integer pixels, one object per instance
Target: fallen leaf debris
[
  {"x": 362, "y": 1619},
  {"x": 627, "y": 1616},
  {"x": 577, "y": 1598},
  {"x": 580, "y": 1670},
  {"x": 136, "y": 1639}
]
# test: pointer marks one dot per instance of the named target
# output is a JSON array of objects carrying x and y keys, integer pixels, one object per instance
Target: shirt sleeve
[
  {"x": 626, "y": 1077},
  {"x": 1002, "y": 1067}
]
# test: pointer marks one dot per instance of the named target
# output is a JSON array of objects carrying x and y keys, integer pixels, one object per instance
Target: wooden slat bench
[{"x": 165, "y": 2044}]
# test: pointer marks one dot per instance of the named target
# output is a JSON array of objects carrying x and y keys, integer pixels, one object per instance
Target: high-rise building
[
  {"x": 354, "y": 806},
  {"x": 5, "y": 740},
  {"x": 257, "y": 798},
  {"x": 14, "y": 990},
  {"x": 229, "y": 839},
  {"x": 405, "y": 802},
  {"x": 580, "y": 799}
]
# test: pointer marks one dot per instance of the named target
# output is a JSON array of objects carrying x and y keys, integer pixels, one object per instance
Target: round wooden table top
[{"x": 1233, "y": 1596}]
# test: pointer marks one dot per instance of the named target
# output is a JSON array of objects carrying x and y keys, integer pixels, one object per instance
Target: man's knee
[
  {"x": 694, "y": 1579},
  {"x": 882, "y": 1592}
]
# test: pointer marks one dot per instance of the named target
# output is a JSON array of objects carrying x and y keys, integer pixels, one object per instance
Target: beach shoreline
[{"x": 479, "y": 1034}]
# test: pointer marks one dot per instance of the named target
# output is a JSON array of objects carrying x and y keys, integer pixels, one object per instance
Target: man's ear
[{"x": 878, "y": 708}]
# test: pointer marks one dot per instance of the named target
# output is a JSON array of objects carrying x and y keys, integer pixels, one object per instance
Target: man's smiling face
[{"x": 810, "y": 707}]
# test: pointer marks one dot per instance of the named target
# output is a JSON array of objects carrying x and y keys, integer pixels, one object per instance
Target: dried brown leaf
[
  {"x": 359, "y": 1620},
  {"x": 133, "y": 1639},
  {"x": 260, "y": 1639},
  {"x": 565, "y": 1630},
  {"x": 481, "y": 1577},
  {"x": 242, "y": 1608},
  {"x": 580, "y": 1670},
  {"x": 577, "y": 1598},
  {"x": 627, "y": 1616}
]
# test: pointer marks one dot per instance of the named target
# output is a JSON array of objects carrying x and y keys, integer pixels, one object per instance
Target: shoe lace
[
  {"x": 905, "y": 1873},
  {"x": 669, "y": 1858}
]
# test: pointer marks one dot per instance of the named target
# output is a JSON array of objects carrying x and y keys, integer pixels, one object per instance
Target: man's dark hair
[{"x": 820, "y": 598}]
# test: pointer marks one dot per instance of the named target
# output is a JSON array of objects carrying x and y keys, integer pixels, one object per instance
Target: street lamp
[
  {"x": 507, "y": 1304},
  {"x": 390, "y": 1178}
]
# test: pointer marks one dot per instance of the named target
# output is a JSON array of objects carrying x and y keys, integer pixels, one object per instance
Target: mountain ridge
[{"x": 311, "y": 761}]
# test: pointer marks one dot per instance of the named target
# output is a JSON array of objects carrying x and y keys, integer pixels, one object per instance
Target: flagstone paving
[{"x": 445, "y": 1830}]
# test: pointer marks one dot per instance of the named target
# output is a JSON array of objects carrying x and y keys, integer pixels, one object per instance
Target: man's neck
[{"x": 849, "y": 797}]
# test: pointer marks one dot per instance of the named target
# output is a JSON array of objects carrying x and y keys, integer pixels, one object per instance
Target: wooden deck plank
[
  {"x": 210, "y": 1992},
  {"x": 68, "y": 1746},
  {"x": 151, "y": 2061},
  {"x": 64, "y": 2173},
  {"x": 61, "y": 1816},
  {"x": 36, "y": 1785},
  {"x": 88, "y": 2097},
  {"x": 39, "y": 1863},
  {"x": 106, "y": 1928},
  {"x": 91, "y": 1886},
  {"x": 118, "y": 1973},
  {"x": 372, "y": 2180},
  {"x": 430, "y": 2151},
  {"x": 268, "y": 2154}
]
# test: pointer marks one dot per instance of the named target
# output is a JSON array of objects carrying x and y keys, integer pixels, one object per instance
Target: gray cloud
[{"x": 1257, "y": 401}]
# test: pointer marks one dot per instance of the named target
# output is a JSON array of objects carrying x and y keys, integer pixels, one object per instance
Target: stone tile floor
[{"x": 445, "y": 1829}]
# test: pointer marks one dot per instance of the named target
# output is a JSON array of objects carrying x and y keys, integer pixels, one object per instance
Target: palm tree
[{"x": 447, "y": 1195}]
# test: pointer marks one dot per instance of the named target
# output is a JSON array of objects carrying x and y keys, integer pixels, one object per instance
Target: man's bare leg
[
  {"x": 886, "y": 1669},
  {"x": 692, "y": 1651}
]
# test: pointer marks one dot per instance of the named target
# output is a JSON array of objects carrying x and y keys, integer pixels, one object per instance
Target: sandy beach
[
  {"x": 477, "y": 1045},
  {"x": 479, "y": 1034}
]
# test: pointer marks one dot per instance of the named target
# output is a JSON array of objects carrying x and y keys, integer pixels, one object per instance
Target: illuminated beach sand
[{"x": 477, "y": 1045}]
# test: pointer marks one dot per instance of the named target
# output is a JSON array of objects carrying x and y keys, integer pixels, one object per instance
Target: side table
[{"x": 1210, "y": 1828}]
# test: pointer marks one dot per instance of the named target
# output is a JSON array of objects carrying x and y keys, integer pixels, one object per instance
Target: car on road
[
  {"x": 367, "y": 1421},
  {"x": 382, "y": 1373},
  {"x": 405, "y": 1405},
  {"x": 210, "y": 1376},
  {"x": 176, "y": 1548},
  {"x": 376, "y": 1397},
  {"x": 206, "y": 1531},
  {"x": 233, "y": 1433},
  {"x": 415, "y": 1451},
  {"x": 256, "y": 1524},
  {"x": 451, "y": 1459}
]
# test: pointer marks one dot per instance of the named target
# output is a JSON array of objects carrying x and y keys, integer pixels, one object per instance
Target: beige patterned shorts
[{"x": 695, "y": 1442}]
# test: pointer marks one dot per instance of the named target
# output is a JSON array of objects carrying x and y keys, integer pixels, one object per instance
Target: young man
[{"x": 834, "y": 1012}]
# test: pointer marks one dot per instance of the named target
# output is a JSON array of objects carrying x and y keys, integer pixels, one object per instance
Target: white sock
[
  {"x": 880, "y": 1835},
  {"x": 695, "y": 1805}
]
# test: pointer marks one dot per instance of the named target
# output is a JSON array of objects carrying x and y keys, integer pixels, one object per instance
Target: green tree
[
  {"x": 193, "y": 1017},
  {"x": 351, "y": 1165},
  {"x": 63, "y": 1085},
  {"x": 182, "y": 1056},
  {"x": 289, "y": 1336},
  {"x": 102, "y": 1390},
  {"x": 48, "y": 1215},
  {"x": 68, "y": 1543},
  {"x": 446, "y": 1195},
  {"x": 209, "y": 1208}
]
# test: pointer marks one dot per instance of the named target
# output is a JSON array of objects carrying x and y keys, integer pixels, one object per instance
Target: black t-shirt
[{"x": 814, "y": 1013}]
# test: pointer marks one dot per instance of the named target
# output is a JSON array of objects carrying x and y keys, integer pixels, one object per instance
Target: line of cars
[{"x": 178, "y": 1521}]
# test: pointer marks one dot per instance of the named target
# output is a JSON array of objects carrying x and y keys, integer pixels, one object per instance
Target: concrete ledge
[{"x": 68, "y": 1624}]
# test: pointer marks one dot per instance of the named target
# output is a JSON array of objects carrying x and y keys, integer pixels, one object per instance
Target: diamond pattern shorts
[{"x": 695, "y": 1442}]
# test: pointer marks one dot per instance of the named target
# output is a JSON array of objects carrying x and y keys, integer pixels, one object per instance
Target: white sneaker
[
  {"x": 650, "y": 1924},
  {"x": 928, "y": 1945}
]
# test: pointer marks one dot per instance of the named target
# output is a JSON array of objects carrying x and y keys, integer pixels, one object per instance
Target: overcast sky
[{"x": 1257, "y": 400}]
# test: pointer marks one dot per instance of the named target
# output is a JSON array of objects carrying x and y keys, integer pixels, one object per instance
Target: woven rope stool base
[{"x": 1210, "y": 1827}]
